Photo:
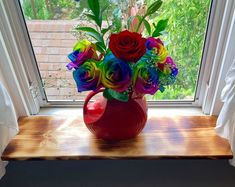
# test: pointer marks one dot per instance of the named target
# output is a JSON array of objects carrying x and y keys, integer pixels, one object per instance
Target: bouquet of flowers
[{"x": 126, "y": 61}]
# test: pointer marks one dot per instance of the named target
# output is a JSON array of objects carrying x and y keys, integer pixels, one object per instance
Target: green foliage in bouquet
[{"x": 128, "y": 62}]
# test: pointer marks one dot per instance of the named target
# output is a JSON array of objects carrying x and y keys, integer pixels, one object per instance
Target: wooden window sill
[{"x": 64, "y": 138}]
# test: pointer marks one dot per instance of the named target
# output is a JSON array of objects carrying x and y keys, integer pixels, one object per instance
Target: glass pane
[
  {"x": 51, "y": 28},
  {"x": 186, "y": 33}
]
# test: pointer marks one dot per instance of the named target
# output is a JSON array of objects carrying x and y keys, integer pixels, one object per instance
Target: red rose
[{"x": 127, "y": 46}]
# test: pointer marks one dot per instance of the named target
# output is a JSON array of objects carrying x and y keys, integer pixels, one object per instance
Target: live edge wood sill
[{"x": 63, "y": 138}]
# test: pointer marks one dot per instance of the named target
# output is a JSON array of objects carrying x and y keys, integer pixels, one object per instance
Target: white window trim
[
  {"x": 14, "y": 54},
  {"x": 19, "y": 43},
  {"x": 220, "y": 55},
  {"x": 159, "y": 111},
  {"x": 210, "y": 44}
]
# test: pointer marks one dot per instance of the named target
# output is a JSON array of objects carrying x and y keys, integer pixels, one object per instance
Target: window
[{"x": 50, "y": 26}]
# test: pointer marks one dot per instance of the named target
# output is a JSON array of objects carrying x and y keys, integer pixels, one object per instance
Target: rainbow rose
[
  {"x": 82, "y": 51},
  {"x": 162, "y": 53},
  {"x": 87, "y": 76},
  {"x": 151, "y": 43},
  {"x": 167, "y": 73},
  {"x": 116, "y": 74},
  {"x": 158, "y": 47},
  {"x": 166, "y": 80},
  {"x": 124, "y": 63},
  {"x": 168, "y": 67},
  {"x": 145, "y": 78}
]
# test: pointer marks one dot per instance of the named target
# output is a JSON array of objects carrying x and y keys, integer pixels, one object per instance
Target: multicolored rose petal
[
  {"x": 145, "y": 78},
  {"x": 83, "y": 50},
  {"x": 116, "y": 74},
  {"x": 132, "y": 64},
  {"x": 87, "y": 76}
]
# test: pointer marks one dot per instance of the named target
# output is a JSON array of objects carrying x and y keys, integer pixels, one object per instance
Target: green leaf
[
  {"x": 91, "y": 16},
  {"x": 100, "y": 47},
  {"x": 91, "y": 32},
  {"x": 95, "y": 8},
  {"x": 94, "y": 5},
  {"x": 94, "y": 18},
  {"x": 117, "y": 21},
  {"x": 112, "y": 94},
  {"x": 104, "y": 8},
  {"x": 129, "y": 20},
  {"x": 119, "y": 96},
  {"x": 147, "y": 26},
  {"x": 106, "y": 94},
  {"x": 153, "y": 7},
  {"x": 116, "y": 25},
  {"x": 154, "y": 25},
  {"x": 103, "y": 31},
  {"x": 161, "y": 25},
  {"x": 156, "y": 34},
  {"x": 139, "y": 18}
]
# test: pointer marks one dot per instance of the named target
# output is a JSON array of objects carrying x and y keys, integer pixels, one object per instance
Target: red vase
[{"x": 113, "y": 119}]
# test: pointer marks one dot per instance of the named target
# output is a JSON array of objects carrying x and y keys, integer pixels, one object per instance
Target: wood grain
[{"x": 61, "y": 138}]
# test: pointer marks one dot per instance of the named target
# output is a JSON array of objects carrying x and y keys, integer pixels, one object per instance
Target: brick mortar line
[
  {"x": 41, "y": 39},
  {"x": 60, "y": 47},
  {"x": 49, "y": 46},
  {"x": 54, "y": 62},
  {"x": 49, "y": 38},
  {"x": 38, "y": 31},
  {"x": 60, "y": 54}
]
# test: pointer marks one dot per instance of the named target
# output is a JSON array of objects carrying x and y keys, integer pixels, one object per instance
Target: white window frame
[
  {"x": 220, "y": 55},
  {"x": 17, "y": 39}
]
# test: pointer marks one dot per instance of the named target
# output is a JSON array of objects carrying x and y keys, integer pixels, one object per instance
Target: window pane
[
  {"x": 51, "y": 28},
  {"x": 186, "y": 32}
]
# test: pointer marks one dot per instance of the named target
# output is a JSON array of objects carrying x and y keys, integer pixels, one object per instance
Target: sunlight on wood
[{"x": 56, "y": 138}]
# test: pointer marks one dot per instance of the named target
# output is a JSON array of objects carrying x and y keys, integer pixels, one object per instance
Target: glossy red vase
[{"x": 115, "y": 120}]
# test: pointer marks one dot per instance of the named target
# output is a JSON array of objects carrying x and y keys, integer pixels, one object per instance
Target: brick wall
[{"x": 52, "y": 41}]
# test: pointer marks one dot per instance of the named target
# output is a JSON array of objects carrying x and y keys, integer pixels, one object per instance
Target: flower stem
[{"x": 140, "y": 22}]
